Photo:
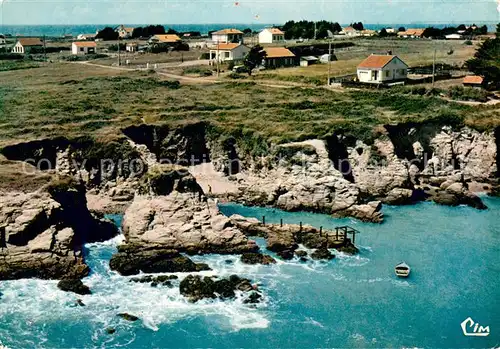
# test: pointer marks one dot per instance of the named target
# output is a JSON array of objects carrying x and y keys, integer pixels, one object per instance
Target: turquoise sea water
[{"x": 352, "y": 301}]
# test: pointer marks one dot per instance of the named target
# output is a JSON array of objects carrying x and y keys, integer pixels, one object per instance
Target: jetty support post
[
  {"x": 281, "y": 222},
  {"x": 264, "y": 220}
]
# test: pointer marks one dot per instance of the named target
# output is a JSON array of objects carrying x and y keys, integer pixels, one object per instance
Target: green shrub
[{"x": 468, "y": 94}]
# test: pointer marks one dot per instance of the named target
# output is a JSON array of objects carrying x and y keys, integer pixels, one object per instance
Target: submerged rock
[
  {"x": 301, "y": 253},
  {"x": 110, "y": 330},
  {"x": 253, "y": 298},
  {"x": 128, "y": 317},
  {"x": 285, "y": 254},
  {"x": 163, "y": 280},
  {"x": 75, "y": 286},
  {"x": 257, "y": 258},
  {"x": 322, "y": 253}
]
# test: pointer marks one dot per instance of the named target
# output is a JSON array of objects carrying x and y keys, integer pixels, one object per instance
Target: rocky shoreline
[{"x": 170, "y": 211}]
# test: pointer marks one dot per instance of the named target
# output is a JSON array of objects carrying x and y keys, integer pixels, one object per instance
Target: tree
[
  {"x": 358, "y": 26},
  {"x": 401, "y": 29},
  {"x": 247, "y": 31},
  {"x": 461, "y": 27},
  {"x": 254, "y": 58},
  {"x": 382, "y": 33},
  {"x": 486, "y": 61},
  {"x": 107, "y": 33},
  {"x": 172, "y": 31},
  {"x": 148, "y": 31}
]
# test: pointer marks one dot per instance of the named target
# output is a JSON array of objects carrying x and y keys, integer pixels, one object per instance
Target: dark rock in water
[
  {"x": 128, "y": 317},
  {"x": 74, "y": 285},
  {"x": 131, "y": 260},
  {"x": 80, "y": 303},
  {"x": 253, "y": 298},
  {"x": 301, "y": 253},
  {"x": 257, "y": 258},
  {"x": 286, "y": 254},
  {"x": 322, "y": 253},
  {"x": 303, "y": 259},
  {"x": 163, "y": 280},
  {"x": 228, "y": 261},
  {"x": 196, "y": 287},
  {"x": 348, "y": 248},
  {"x": 110, "y": 330}
]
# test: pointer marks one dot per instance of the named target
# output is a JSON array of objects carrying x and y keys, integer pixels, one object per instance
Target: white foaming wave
[
  {"x": 117, "y": 240},
  {"x": 352, "y": 260},
  {"x": 311, "y": 321}
]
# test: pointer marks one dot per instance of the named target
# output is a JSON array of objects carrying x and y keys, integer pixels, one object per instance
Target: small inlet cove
[{"x": 350, "y": 301}]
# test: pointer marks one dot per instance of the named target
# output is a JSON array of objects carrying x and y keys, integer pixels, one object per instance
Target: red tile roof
[
  {"x": 30, "y": 42},
  {"x": 85, "y": 44},
  {"x": 376, "y": 61},
  {"x": 226, "y": 47},
  {"x": 166, "y": 37},
  {"x": 278, "y": 52},
  {"x": 228, "y": 31},
  {"x": 473, "y": 79}
]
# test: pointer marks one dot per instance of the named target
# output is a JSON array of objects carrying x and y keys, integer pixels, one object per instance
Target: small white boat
[{"x": 402, "y": 270}]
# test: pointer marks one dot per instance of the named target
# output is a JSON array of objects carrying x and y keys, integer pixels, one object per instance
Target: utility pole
[
  {"x": 44, "y": 50},
  {"x": 217, "y": 58},
  {"x": 119, "y": 57},
  {"x": 330, "y": 37},
  {"x": 434, "y": 66}
]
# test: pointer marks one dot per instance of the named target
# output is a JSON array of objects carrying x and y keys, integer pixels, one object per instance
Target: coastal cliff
[{"x": 42, "y": 233}]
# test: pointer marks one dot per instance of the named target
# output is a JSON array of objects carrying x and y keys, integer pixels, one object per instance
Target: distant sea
[{"x": 60, "y": 30}]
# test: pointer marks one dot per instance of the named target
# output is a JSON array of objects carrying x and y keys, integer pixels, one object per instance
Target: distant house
[
  {"x": 83, "y": 47},
  {"x": 349, "y": 31},
  {"x": 390, "y": 30},
  {"x": 277, "y": 57},
  {"x": 377, "y": 69},
  {"x": 411, "y": 33},
  {"x": 164, "y": 39},
  {"x": 132, "y": 47},
  {"x": 227, "y": 36},
  {"x": 125, "y": 32},
  {"x": 368, "y": 32},
  {"x": 228, "y": 52},
  {"x": 3, "y": 42},
  {"x": 26, "y": 45},
  {"x": 271, "y": 35},
  {"x": 453, "y": 37},
  {"x": 473, "y": 81},
  {"x": 308, "y": 60},
  {"x": 86, "y": 37}
]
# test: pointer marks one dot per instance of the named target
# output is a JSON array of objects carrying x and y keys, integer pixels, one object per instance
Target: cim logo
[{"x": 473, "y": 329}]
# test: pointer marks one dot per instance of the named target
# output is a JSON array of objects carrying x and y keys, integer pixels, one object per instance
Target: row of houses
[{"x": 276, "y": 57}]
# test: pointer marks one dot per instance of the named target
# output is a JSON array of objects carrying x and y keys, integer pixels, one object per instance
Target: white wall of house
[
  {"x": 394, "y": 70},
  {"x": 82, "y": 50},
  {"x": 225, "y": 38},
  {"x": 235, "y": 54},
  {"x": 267, "y": 37},
  {"x": 18, "y": 48}
]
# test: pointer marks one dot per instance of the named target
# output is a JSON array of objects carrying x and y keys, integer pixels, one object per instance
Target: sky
[{"x": 67, "y": 12}]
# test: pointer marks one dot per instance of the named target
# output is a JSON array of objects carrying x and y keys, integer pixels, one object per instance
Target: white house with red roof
[
  {"x": 25, "y": 45},
  {"x": 83, "y": 47},
  {"x": 271, "y": 35},
  {"x": 377, "y": 69},
  {"x": 228, "y": 52},
  {"x": 230, "y": 35}
]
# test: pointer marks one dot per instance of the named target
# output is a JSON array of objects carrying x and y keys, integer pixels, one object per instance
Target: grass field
[
  {"x": 68, "y": 99},
  {"x": 413, "y": 52}
]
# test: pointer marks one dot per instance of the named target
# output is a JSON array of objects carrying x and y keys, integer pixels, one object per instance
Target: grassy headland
[{"x": 69, "y": 99}]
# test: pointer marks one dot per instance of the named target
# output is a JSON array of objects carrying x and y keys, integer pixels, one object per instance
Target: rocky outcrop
[
  {"x": 284, "y": 239},
  {"x": 322, "y": 253},
  {"x": 257, "y": 258},
  {"x": 184, "y": 220},
  {"x": 74, "y": 285},
  {"x": 133, "y": 259},
  {"x": 195, "y": 287},
  {"x": 154, "y": 281},
  {"x": 42, "y": 233}
]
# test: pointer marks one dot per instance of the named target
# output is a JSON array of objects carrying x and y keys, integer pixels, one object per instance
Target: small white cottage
[
  {"x": 271, "y": 35},
  {"x": 377, "y": 69},
  {"x": 83, "y": 47},
  {"x": 228, "y": 52}
]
